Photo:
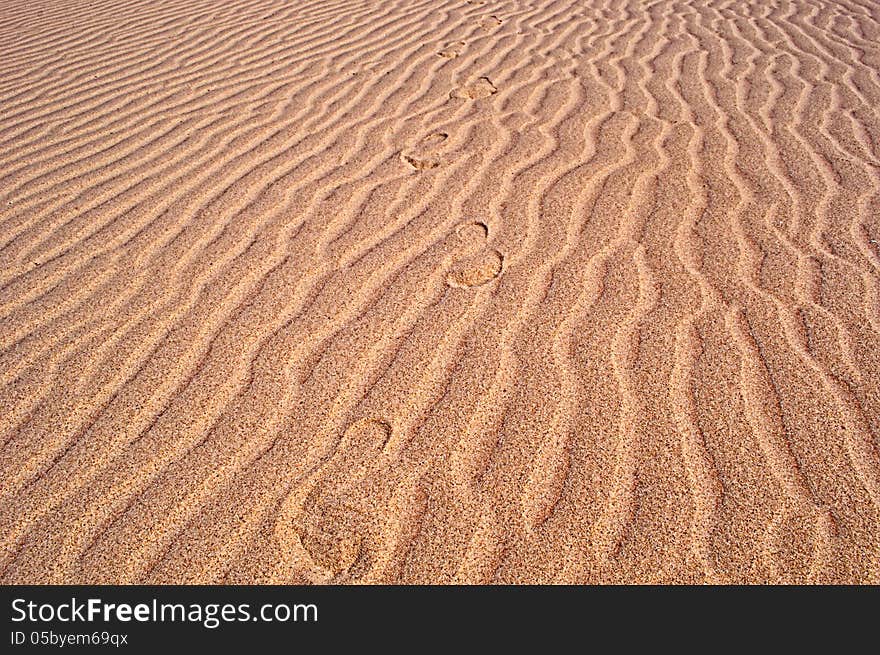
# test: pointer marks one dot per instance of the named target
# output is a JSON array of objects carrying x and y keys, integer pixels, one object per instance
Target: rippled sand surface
[{"x": 439, "y": 291}]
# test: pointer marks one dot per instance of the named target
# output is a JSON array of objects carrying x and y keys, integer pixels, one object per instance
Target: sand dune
[{"x": 440, "y": 291}]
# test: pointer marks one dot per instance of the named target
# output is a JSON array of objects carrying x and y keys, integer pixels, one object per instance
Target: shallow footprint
[
  {"x": 478, "y": 265},
  {"x": 331, "y": 539},
  {"x": 419, "y": 158},
  {"x": 336, "y": 523},
  {"x": 472, "y": 233},
  {"x": 452, "y": 50},
  {"x": 482, "y": 88},
  {"x": 476, "y": 270},
  {"x": 419, "y": 164},
  {"x": 489, "y": 22}
]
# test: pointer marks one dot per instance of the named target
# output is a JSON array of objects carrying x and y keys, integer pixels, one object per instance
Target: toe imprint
[{"x": 361, "y": 445}]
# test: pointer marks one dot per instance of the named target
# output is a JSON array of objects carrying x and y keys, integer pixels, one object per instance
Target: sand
[{"x": 440, "y": 291}]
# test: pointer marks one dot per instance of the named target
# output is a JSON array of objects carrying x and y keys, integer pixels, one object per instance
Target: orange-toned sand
[{"x": 439, "y": 291}]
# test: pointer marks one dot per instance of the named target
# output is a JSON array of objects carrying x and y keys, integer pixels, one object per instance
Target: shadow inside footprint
[
  {"x": 419, "y": 164},
  {"x": 338, "y": 524},
  {"x": 479, "y": 264},
  {"x": 482, "y": 88},
  {"x": 472, "y": 234}
]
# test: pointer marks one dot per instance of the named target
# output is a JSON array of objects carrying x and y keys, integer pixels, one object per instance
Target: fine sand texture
[{"x": 440, "y": 291}]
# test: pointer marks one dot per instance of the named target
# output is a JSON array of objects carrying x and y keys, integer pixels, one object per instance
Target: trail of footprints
[
  {"x": 478, "y": 263},
  {"x": 341, "y": 523},
  {"x": 343, "y": 518}
]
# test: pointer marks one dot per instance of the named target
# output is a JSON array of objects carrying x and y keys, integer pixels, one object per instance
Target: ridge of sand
[{"x": 440, "y": 291}]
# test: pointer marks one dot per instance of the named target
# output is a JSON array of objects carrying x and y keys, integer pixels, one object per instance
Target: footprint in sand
[
  {"x": 364, "y": 67},
  {"x": 482, "y": 88},
  {"x": 339, "y": 522},
  {"x": 488, "y": 22},
  {"x": 419, "y": 164},
  {"x": 452, "y": 50},
  {"x": 421, "y": 157},
  {"x": 479, "y": 264}
]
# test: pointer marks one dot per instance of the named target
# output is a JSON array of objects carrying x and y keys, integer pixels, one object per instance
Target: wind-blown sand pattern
[{"x": 440, "y": 291}]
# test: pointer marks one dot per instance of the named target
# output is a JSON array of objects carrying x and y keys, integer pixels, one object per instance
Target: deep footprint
[{"x": 482, "y": 88}]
